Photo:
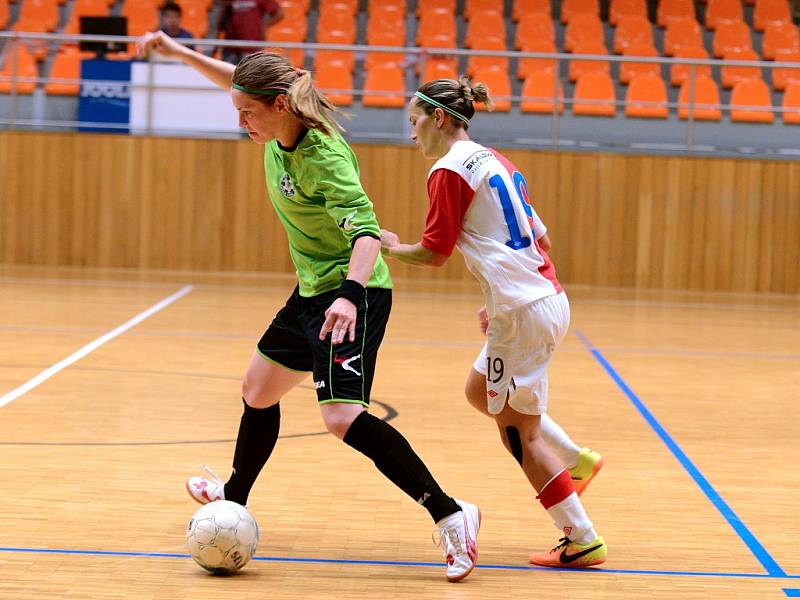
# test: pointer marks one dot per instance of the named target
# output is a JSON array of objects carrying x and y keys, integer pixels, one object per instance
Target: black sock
[
  {"x": 395, "y": 458},
  {"x": 258, "y": 432}
]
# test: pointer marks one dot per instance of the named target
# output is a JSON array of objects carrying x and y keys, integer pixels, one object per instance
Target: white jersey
[{"x": 483, "y": 191}]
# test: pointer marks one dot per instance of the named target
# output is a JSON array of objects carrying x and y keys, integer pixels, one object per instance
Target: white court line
[{"x": 91, "y": 347}]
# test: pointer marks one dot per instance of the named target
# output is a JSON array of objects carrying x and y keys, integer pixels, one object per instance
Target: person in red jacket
[{"x": 246, "y": 20}]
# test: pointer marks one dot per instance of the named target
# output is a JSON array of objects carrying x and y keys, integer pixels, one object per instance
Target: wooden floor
[{"x": 94, "y": 457}]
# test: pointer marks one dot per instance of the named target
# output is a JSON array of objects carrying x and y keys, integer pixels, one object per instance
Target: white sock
[
  {"x": 560, "y": 443},
  {"x": 571, "y": 518}
]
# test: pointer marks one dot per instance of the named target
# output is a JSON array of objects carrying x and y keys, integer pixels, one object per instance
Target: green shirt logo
[{"x": 287, "y": 187}]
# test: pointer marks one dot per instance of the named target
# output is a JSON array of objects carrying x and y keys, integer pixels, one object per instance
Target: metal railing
[{"x": 415, "y": 57}]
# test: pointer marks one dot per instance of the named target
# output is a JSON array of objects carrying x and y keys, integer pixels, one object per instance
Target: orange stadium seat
[
  {"x": 336, "y": 26},
  {"x": 703, "y": 104},
  {"x": 594, "y": 95},
  {"x": 780, "y": 38},
  {"x": 528, "y": 66},
  {"x": 478, "y": 63},
  {"x": 629, "y": 70},
  {"x": 381, "y": 80},
  {"x": 349, "y": 7},
  {"x": 474, "y": 7},
  {"x": 671, "y": 10},
  {"x": 784, "y": 77},
  {"x": 4, "y": 13},
  {"x": 679, "y": 73},
  {"x": 384, "y": 59},
  {"x": 632, "y": 30},
  {"x": 385, "y": 29},
  {"x": 85, "y": 8},
  {"x": 499, "y": 85},
  {"x": 770, "y": 11},
  {"x": 527, "y": 7},
  {"x": 646, "y": 98},
  {"x": 626, "y": 8},
  {"x": 142, "y": 16},
  {"x": 25, "y": 67},
  {"x": 485, "y": 25},
  {"x": 682, "y": 33},
  {"x": 532, "y": 28},
  {"x": 335, "y": 77},
  {"x": 731, "y": 37},
  {"x": 438, "y": 69},
  {"x": 289, "y": 5},
  {"x": 583, "y": 28},
  {"x": 571, "y": 8},
  {"x": 791, "y": 104},
  {"x": 37, "y": 16},
  {"x": 723, "y": 11},
  {"x": 751, "y": 102},
  {"x": 287, "y": 34},
  {"x": 538, "y": 91},
  {"x": 195, "y": 19},
  {"x": 386, "y": 8},
  {"x": 67, "y": 65},
  {"x": 335, "y": 58},
  {"x": 577, "y": 68},
  {"x": 449, "y": 6},
  {"x": 732, "y": 75},
  {"x": 435, "y": 23}
]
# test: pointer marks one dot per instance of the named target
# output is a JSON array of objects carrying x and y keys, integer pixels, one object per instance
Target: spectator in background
[
  {"x": 171, "y": 21},
  {"x": 246, "y": 20}
]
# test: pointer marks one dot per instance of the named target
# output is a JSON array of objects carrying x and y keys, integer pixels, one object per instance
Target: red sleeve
[
  {"x": 270, "y": 6},
  {"x": 450, "y": 196}
]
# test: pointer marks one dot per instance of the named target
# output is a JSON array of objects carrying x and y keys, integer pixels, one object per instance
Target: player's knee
[
  {"x": 338, "y": 422},
  {"x": 257, "y": 393}
]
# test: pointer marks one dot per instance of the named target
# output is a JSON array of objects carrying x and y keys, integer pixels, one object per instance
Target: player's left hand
[
  {"x": 340, "y": 319},
  {"x": 388, "y": 240}
]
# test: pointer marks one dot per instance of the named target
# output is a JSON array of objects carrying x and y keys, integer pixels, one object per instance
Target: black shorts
[{"x": 342, "y": 373}]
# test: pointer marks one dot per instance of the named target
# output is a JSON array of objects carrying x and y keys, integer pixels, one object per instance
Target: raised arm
[{"x": 217, "y": 71}]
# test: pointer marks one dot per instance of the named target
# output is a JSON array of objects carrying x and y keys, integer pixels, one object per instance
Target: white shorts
[{"x": 520, "y": 344}]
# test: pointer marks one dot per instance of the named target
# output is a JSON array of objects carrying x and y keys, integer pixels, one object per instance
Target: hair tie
[
  {"x": 447, "y": 109},
  {"x": 300, "y": 72}
]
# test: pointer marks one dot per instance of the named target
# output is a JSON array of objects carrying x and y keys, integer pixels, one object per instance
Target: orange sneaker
[
  {"x": 589, "y": 465},
  {"x": 573, "y": 554}
]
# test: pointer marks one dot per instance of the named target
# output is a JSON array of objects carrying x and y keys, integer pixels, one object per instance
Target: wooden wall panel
[{"x": 616, "y": 220}]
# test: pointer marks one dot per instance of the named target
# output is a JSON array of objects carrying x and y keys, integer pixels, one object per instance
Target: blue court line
[
  {"x": 398, "y": 563},
  {"x": 792, "y": 593},
  {"x": 726, "y": 511}
]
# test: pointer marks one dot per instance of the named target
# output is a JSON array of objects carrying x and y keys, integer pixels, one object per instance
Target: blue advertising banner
[{"x": 102, "y": 99}]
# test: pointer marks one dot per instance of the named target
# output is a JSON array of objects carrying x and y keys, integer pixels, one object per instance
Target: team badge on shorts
[{"x": 287, "y": 187}]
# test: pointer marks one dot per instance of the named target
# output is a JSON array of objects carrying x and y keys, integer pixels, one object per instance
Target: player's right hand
[
  {"x": 160, "y": 42},
  {"x": 483, "y": 317}
]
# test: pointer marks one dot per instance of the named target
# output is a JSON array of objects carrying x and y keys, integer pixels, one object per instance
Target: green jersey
[{"x": 317, "y": 193}]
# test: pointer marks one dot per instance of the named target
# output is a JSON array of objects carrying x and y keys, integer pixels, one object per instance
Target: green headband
[
  {"x": 446, "y": 109},
  {"x": 267, "y": 92}
]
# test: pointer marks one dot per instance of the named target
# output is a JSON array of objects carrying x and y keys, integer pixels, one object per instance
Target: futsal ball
[{"x": 222, "y": 536}]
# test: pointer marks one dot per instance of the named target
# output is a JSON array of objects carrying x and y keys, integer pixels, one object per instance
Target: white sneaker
[
  {"x": 206, "y": 489},
  {"x": 458, "y": 538}
]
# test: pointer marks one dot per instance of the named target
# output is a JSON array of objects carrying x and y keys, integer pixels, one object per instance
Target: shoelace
[
  {"x": 447, "y": 540},
  {"x": 564, "y": 542},
  {"x": 213, "y": 476}
]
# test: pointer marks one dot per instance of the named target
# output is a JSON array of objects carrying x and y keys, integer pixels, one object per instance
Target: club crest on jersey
[
  {"x": 287, "y": 187},
  {"x": 346, "y": 223}
]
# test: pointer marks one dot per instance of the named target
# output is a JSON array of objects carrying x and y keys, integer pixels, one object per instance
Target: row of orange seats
[
  {"x": 594, "y": 92},
  {"x": 40, "y": 16}
]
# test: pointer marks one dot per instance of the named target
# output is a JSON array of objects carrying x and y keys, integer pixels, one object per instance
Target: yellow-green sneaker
[
  {"x": 589, "y": 464},
  {"x": 573, "y": 554}
]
